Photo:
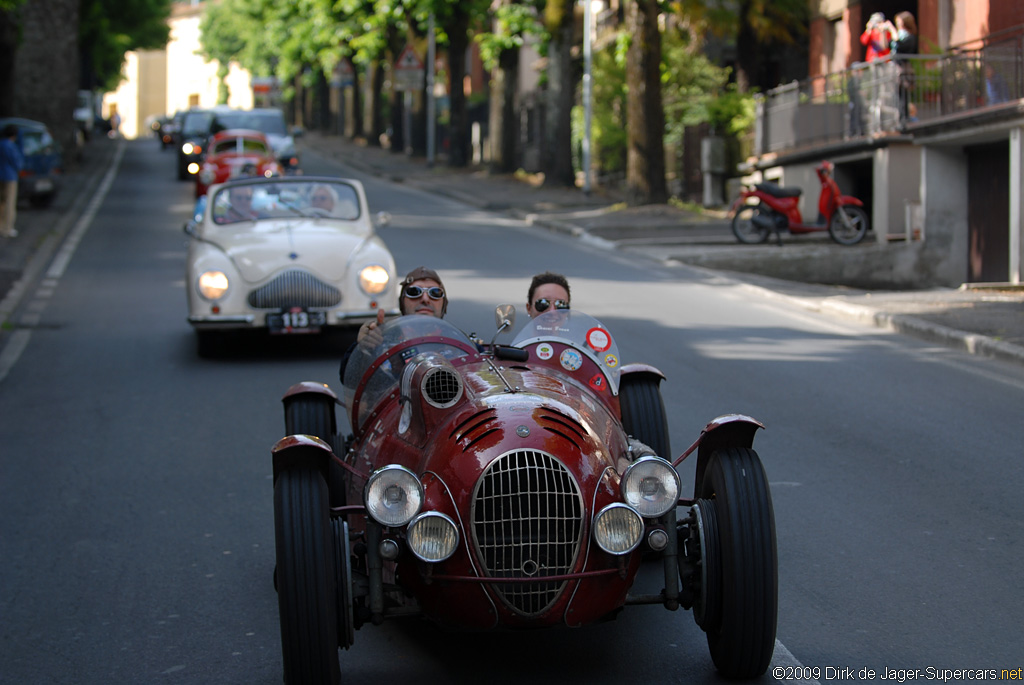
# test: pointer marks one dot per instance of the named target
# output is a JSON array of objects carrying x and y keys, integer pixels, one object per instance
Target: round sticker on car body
[
  {"x": 570, "y": 360},
  {"x": 545, "y": 351}
]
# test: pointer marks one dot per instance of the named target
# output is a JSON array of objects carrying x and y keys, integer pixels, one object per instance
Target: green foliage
[
  {"x": 513, "y": 23},
  {"x": 105, "y": 35}
]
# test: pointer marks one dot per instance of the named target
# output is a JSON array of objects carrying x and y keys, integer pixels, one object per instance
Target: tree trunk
[
  {"x": 46, "y": 69},
  {"x": 504, "y": 132},
  {"x": 645, "y": 156},
  {"x": 8, "y": 52},
  {"x": 457, "y": 29},
  {"x": 376, "y": 105},
  {"x": 746, "y": 50},
  {"x": 561, "y": 91}
]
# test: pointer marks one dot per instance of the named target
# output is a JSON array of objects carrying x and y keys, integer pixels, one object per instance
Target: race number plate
[{"x": 296, "y": 320}]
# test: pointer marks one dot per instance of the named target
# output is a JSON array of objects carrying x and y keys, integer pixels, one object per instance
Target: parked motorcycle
[{"x": 768, "y": 208}]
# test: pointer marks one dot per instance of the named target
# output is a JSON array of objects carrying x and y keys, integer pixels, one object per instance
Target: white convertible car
[{"x": 296, "y": 254}]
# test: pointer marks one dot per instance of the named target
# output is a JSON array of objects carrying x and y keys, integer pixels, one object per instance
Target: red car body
[
  {"x": 235, "y": 153},
  {"x": 527, "y": 490}
]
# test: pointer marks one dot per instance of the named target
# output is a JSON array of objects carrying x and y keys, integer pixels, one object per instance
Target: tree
[
  {"x": 645, "y": 157},
  {"x": 513, "y": 22},
  {"x": 561, "y": 94},
  {"x": 105, "y": 36}
]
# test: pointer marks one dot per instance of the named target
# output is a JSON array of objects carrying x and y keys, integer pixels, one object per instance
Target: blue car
[{"x": 44, "y": 161}]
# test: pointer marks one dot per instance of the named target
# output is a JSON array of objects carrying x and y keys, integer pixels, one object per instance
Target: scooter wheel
[
  {"x": 744, "y": 227},
  {"x": 848, "y": 225}
]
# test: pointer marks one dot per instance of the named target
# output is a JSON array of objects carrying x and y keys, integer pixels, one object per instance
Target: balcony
[{"x": 872, "y": 102}]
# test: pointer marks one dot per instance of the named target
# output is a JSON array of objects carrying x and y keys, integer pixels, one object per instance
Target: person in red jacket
[{"x": 876, "y": 37}]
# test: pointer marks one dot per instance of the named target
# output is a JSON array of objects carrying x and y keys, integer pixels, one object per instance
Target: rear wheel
[
  {"x": 306, "y": 578},
  {"x": 742, "y": 637},
  {"x": 313, "y": 414},
  {"x": 848, "y": 225},
  {"x": 643, "y": 412},
  {"x": 744, "y": 228}
]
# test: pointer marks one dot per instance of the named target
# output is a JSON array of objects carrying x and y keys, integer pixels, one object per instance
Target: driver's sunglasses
[
  {"x": 543, "y": 303},
  {"x": 414, "y": 292}
]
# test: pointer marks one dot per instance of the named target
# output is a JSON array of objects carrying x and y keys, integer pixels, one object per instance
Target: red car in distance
[{"x": 235, "y": 153}]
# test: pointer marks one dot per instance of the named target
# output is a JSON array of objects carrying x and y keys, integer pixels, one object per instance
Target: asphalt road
[{"x": 135, "y": 483}]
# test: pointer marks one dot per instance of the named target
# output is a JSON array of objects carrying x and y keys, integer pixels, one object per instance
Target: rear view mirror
[{"x": 504, "y": 317}]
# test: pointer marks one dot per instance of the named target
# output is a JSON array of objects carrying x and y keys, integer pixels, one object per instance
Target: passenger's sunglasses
[
  {"x": 543, "y": 303},
  {"x": 414, "y": 292}
]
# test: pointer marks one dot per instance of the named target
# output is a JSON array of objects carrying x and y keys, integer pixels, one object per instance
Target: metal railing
[{"x": 891, "y": 96}]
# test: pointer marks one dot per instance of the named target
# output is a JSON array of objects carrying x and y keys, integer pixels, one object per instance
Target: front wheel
[
  {"x": 744, "y": 228},
  {"x": 313, "y": 414},
  {"x": 741, "y": 626},
  {"x": 643, "y": 412},
  {"x": 306, "y": 578},
  {"x": 848, "y": 225}
]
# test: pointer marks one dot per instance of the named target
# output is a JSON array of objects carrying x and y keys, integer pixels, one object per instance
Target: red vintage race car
[
  {"x": 511, "y": 486},
  {"x": 235, "y": 153}
]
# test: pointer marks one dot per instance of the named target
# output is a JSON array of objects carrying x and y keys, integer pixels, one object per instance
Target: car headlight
[
  {"x": 374, "y": 279},
  {"x": 212, "y": 284},
  {"x": 651, "y": 486},
  {"x": 393, "y": 495},
  {"x": 189, "y": 148},
  {"x": 618, "y": 529},
  {"x": 193, "y": 168},
  {"x": 432, "y": 536}
]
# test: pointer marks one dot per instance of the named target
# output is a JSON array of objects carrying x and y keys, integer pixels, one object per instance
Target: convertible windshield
[
  {"x": 285, "y": 198},
  {"x": 436, "y": 336},
  {"x": 578, "y": 331}
]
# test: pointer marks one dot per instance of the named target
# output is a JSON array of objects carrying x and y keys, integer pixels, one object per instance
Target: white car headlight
[
  {"x": 651, "y": 486},
  {"x": 212, "y": 284},
  {"x": 187, "y": 148},
  {"x": 432, "y": 536},
  {"x": 393, "y": 495},
  {"x": 618, "y": 529},
  {"x": 374, "y": 279}
]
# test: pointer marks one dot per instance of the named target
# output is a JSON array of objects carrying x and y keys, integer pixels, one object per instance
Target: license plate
[
  {"x": 296, "y": 320},
  {"x": 44, "y": 185}
]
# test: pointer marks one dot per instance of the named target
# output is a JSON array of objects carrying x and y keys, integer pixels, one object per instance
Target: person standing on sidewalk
[{"x": 11, "y": 162}]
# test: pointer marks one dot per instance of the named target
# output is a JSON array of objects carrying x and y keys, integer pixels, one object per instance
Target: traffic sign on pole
[{"x": 409, "y": 70}]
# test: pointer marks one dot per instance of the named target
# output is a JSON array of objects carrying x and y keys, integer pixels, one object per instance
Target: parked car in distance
[
  {"x": 271, "y": 122},
  {"x": 269, "y": 255},
  {"x": 235, "y": 153},
  {"x": 44, "y": 161}
]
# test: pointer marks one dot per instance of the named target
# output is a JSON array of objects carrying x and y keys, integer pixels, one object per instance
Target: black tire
[
  {"x": 855, "y": 232},
  {"x": 306, "y": 578},
  {"x": 313, "y": 414},
  {"x": 742, "y": 643},
  {"x": 643, "y": 412},
  {"x": 743, "y": 227}
]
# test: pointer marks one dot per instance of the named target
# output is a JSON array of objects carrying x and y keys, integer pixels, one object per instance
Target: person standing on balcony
[
  {"x": 875, "y": 37},
  {"x": 904, "y": 42}
]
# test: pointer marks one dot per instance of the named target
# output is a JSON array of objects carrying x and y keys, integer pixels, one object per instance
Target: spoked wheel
[
  {"x": 306, "y": 578},
  {"x": 848, "y": 225},
  {"x": 313, "y": 414},
  {"x": 744, "y": 228},
  {"x": 743, "y": 640},
  {"x": 643, "y": 411}
]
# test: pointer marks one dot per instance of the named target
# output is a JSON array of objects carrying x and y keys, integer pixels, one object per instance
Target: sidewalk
[{"x": 985, "y": 321}]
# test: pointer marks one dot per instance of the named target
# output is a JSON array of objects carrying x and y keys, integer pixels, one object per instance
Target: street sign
[
  {"x": 409, "y": 70},
  {"x": 343, "y": 75}
]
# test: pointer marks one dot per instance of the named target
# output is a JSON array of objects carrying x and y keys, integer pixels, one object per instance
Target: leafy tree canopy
[{"x": 108, "y": 30}]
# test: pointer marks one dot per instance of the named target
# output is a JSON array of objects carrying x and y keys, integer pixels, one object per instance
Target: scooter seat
[{"x": 775, "y": 190}]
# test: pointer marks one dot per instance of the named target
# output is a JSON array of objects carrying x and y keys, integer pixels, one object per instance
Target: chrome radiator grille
[
  {"x": 527, "y": 521},
  {"x": 295, "y": 288}
]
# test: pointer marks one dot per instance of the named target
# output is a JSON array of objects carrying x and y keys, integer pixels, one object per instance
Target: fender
[
  {"x": 640, "y": 369},
  {"x": 742, "y": 200},
  {"x": 296, "y": 451},
  {"x": 310, "y": 387},
  {"x": 730, "y": 430},
  {"x": 848, "y": 200}
]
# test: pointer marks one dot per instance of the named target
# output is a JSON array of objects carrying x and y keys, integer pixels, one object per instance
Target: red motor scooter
[{"x": 768, "y": 207}]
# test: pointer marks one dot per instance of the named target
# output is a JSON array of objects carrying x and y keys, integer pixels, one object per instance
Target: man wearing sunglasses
[
  {"x": 421, "y": 292},
  {"x": 547, "y": 290}
]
